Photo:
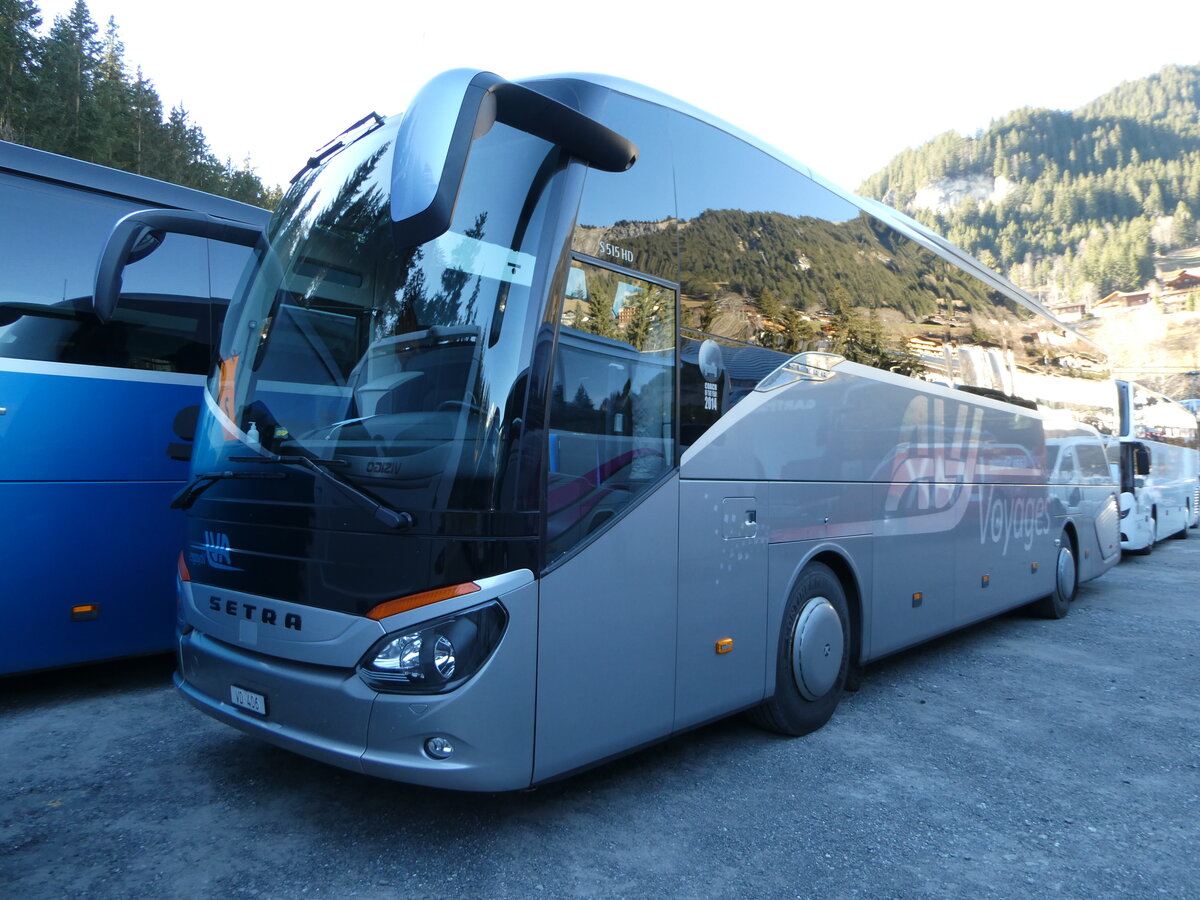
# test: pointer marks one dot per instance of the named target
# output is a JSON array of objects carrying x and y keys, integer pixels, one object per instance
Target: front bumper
[{"x": 328, "y": 713}]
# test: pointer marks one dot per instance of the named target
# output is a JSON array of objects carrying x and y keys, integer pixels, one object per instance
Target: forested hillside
[
  {"x": 68, "y": 89},
  {"x": 1070, "y": 205}
]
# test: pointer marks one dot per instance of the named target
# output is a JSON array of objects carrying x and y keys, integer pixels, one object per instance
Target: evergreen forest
[
  {"x": 1069, "y": 205},
  {"x": 68, "y": 89}
]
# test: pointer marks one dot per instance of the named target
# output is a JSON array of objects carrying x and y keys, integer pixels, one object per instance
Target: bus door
[{"x": 607, "y": 608}]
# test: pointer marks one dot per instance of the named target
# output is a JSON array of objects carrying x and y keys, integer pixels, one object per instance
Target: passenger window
[
  {"x": 612, "y": 419},
  {"x": 171, "y": 301},
  {"x": 1093, "y": 465},
  {"x": 628, "y": 218}
]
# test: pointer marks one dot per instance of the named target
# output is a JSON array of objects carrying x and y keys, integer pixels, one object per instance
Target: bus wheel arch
[{"x": 815, "y": 651}]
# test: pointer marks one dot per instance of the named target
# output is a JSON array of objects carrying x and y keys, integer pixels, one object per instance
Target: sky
[{"x": 840, "y": 86}]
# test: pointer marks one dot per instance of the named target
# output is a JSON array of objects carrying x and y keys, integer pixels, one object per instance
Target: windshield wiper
[
  {"x": 327, "y": 150},
  {"x": 201, "y": 483},
  {"x": 393, "y": 518}
]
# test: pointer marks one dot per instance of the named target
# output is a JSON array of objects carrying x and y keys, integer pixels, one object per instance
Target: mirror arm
[
  {"x": 127, "y": 232},
  {"x": 581, "y": 136}
]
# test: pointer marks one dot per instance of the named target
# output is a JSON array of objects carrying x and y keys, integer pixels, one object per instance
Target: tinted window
[
  {"x": 770, "y": 258},
  {"x": 50, "y": 239},
  {"x": 1093, "y": 464},
  {"x": 612, "y": 423},
  {"x": 1157, "y": 418},
  {"x": 628, "y": 218}
]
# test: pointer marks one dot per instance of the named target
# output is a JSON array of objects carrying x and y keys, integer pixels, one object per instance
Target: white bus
[
  {"x": 1160, "y": 493},
  {"x": 560, "y": 418}
]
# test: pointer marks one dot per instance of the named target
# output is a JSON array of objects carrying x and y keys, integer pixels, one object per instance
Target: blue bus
[
  {"x": 558, "y": 417},
  {"x": 96, "y": 419}
]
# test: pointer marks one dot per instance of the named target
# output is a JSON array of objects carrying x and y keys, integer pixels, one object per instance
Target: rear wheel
[
  {"x": 1056, "y": 605},
  {"x": 813, "y": 656}
]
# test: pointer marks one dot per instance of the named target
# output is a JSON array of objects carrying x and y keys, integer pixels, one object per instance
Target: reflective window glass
[
  {"x": 1157, "y": 418},
  {"x": 628, "y": 218},
  {"x": 612, "y": 422},
  {"x": 1093, "y": 464},
  {"x": 171, "y": 300},
  {"x": 769, "y": 257}
]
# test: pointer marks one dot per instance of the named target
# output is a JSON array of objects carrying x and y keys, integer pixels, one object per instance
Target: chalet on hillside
[
  {"x": 1071, "y": 311},
  {"x": 923, "y": 346},
  {"x": 1183, "y": 280},
  {"x": 1118, "y": 301}
]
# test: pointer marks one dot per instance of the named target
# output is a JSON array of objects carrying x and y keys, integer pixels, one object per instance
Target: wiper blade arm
[
  {"x": 201, "y": 483},
  {"x": 393, "y": 518},
  {"x": 333, "y": 146}
]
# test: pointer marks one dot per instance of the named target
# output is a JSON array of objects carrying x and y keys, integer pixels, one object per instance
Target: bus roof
[{"x": 76, "y": 173}]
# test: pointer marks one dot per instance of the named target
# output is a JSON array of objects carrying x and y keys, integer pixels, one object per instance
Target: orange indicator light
[
  {"x": 413, "y": 601},
  {"x": 85, "y": 612},
  {"x": 724, "y": 645},
  {"x": 986, "y": 579}
]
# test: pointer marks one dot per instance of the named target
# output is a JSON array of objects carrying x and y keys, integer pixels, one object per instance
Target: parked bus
[
  {"x": 1160, "y": 490},
  {"x": 93, "y": 418},
  {"x": 559, "y": 417}
]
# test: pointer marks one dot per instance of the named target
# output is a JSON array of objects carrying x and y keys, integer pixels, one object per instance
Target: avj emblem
[{"x": 218, "y": 552}]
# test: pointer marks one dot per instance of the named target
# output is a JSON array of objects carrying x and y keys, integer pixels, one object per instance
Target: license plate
[{"x": 256, "y": 703}]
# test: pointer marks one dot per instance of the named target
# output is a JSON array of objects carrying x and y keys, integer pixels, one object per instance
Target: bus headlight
[{"x": 435, "y": 657}]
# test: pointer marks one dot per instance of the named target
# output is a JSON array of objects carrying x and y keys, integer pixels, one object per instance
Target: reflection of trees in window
[
  {"x": 644, "y": 319},
  {"x": 647, "y": 319},
  {"x": 408, "y": 306}
]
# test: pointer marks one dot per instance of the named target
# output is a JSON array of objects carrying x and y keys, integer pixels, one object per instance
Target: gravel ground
[{"x": 1018, "y": 758}]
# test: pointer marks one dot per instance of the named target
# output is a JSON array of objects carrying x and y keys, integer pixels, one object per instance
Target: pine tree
[
  {"x": 19, "y": 22},
  {"x": 64, "y": 117}
]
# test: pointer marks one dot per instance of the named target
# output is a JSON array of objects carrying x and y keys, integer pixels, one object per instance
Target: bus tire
[
  {"x": 1057, "y": 604},
  {"x": 813, "y": 656}
]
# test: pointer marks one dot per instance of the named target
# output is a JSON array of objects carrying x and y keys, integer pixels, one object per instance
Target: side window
[
  {"x": 48, "y": 252},
  {"x": 628, "y": 218},
  {"x": 754, "y": 242},
  {"x": 612, "y": 419},
  {"x": 1093, "y": 465}
]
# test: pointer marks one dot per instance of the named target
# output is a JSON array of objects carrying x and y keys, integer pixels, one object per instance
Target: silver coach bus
[{"x": 559, "y": 417}]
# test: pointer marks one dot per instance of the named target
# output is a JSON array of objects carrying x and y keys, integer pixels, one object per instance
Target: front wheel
[
  {"x": 1056, "y": 605},
  {"x": 813, "y": 655}
]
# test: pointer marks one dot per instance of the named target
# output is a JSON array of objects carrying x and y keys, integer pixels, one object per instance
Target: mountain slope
[{"x": 1067, "y": 204}]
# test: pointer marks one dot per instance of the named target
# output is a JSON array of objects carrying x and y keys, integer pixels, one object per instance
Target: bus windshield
[{"x": 401, "y": 365}]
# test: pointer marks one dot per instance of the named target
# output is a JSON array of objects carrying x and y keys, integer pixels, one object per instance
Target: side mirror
[
  {"x": 140, "y": 233},
  {"x": 1141, "y": 460},
  {"x": 453, "y": 109}
]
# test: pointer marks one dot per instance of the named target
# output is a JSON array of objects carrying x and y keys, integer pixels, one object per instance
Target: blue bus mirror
[
  {"x": 144, "y": 244},
  {"x": 138, "y": 234}
]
